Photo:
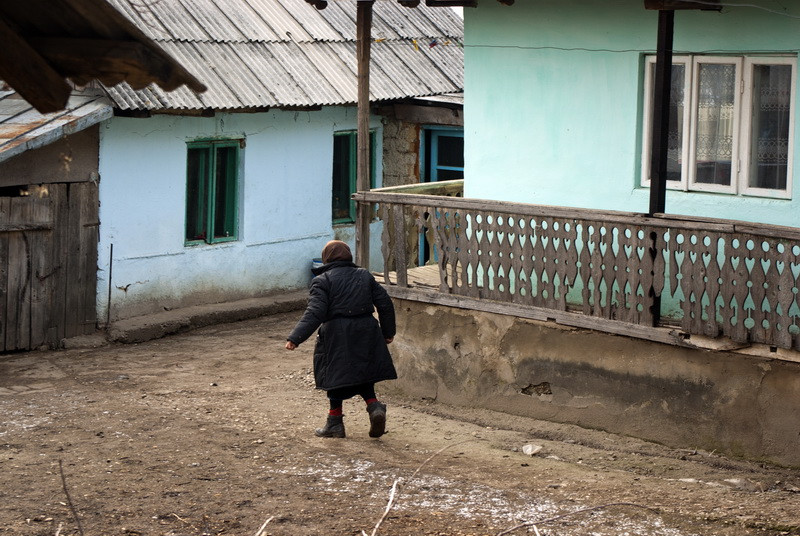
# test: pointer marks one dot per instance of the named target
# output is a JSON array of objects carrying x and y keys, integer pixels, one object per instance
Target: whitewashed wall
[{"x": 284, "y": 216}]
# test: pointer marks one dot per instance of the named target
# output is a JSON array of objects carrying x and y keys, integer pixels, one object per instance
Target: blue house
[{"x": 230, "y": 193}]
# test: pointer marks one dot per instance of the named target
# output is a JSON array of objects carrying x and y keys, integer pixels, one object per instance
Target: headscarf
[{"x": 336, "y": 250}]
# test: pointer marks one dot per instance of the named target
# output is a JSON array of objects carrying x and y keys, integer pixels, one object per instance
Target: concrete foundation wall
[{"x": 738, "y": 404}]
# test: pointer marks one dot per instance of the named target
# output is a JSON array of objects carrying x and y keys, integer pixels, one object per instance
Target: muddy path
[{"x": 211, "y": 432}]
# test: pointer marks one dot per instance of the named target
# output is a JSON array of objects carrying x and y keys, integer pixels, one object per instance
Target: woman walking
[{"x": 351, "y": 353}]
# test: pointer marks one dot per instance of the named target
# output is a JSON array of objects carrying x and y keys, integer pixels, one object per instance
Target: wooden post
[
  {"x": 660, "y": 138},
  {"x": 660, "y": 128},
  {"x": 363, "y": 212}
]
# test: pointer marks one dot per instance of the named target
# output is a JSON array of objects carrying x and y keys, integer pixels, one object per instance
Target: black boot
[
  {"x": 334, "y": 427},
  {"x": 377, "y": 419}
]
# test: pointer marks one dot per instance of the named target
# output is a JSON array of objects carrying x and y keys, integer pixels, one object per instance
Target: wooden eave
[
  {"x": 671, "y": 5},
  {"x": 322, "y": 4},
  {"x": 44, "y": 43}
]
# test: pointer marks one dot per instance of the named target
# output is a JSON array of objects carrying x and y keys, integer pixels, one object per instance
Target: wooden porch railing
[{"x": 710, "y": 277}]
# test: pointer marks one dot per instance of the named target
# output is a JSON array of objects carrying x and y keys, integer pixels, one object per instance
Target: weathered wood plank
[
  {"x": 59, "y": 251},
  {"x": 18, "y": 321},
  {"x": 41, "y": 269},
  {"x": 89, "y": 238},
  {"x": 74, "y": 301},
  {"x": 5, "y": 207},
  {"x": 400, "y": 246}
]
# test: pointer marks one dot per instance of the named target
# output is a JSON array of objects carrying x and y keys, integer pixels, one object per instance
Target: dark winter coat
[{"x": 351, "y": 344}]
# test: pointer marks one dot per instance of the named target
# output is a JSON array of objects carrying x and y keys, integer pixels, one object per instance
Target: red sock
[
  {"x": 370, "y": 400},
  {"x": 335, "y": 412}
]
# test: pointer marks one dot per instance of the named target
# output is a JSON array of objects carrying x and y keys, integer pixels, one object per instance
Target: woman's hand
[
  {"x": 290, "y": 345},
  {"x": 389, "y": 340}
]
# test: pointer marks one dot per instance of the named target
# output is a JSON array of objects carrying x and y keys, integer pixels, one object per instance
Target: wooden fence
[{"x": 710, "y": 277}]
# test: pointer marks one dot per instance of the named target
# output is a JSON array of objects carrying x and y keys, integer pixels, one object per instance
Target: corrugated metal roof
[
  {"x": 23, "y": 128},
  {"x": 285, "y": 53}
]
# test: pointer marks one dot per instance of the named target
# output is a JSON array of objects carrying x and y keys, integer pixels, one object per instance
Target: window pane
[
  {"x": 450, "y": 174},
  {"x": 769, "y": 145},
  {"x": 225, "y": 193},
  {"x": 675, "y": 132},
  {"x": 451, "y": 151},
  {"x": 343, "y": 169},
  {"x": 715, "y": 115},
  {"x": 196, "y": 194}
]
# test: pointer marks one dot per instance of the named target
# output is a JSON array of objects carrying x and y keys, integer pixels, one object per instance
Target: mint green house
[
  {"x": 557, "y": 107},
  {"x": 553, "y": 288}
]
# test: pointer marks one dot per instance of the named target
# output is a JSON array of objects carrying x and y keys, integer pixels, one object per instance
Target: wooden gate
[{"x": 48, "y": 264}]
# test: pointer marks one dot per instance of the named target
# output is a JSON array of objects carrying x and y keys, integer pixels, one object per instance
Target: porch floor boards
[{"x": 420, "y": 276}]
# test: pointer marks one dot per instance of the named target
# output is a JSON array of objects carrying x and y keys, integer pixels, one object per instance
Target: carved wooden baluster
[
  {"x": 653, "y": 274},
  {"x": 695, "y": 280},
  {"x": 784, "y": 295},
  {"x": 493, "y": 282},
  {"x": 711, "y": 326},
  {"x": 566, "y": 259},
  {"x": 466, "y": 248},
  {"x": 772, "y": 292},
  {"x": 758, "y": 276},
  {"x": 597, "y": 269},
  {"x": 386, "y": 240},
  {"x": 621, "y": 277},
  {"x": 680, "y": 247},
  {"x": 607, "y": 269},
  {"x": 529, "y": 236},
  {"x": 585, "y": 269},
  {"x": 500, "y": 257},
  {"x": 727, "y": 287},
  {"x": 548, "y": 266},
  {"x": 484, "y": 258},
  {"x": 400, "y": 248},
  {"x": 795, "y": 260},
  {"x": 455, "y": 244},
  {"x": 515, "y": 257},
  {"x": 538, "y": 263},
  {"x": 469, "y": 259},
  {"x": 740, "y": 275}
]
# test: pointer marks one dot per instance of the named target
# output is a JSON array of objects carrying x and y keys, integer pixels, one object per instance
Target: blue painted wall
[
  {"x": 553, "y": 109},
  {"x": 284, "y": 214}
]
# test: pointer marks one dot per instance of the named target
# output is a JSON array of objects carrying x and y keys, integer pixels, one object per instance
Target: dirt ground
[{"x": 211, "y": 432}]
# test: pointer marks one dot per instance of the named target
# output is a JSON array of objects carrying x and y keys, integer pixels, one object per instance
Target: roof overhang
[
  {"x": 44, "y": 43},
  {"x": 23, "y": 128}
]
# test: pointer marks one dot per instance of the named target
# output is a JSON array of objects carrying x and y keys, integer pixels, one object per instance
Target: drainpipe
[
  {"x": 659, "y": 136},
  {"x": 363, "y": 211}
]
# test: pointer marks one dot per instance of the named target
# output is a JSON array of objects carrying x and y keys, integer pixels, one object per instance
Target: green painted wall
[{"x": 553, "y": 106}]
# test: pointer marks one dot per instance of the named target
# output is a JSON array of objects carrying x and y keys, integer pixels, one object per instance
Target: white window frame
[
  {"x": 649, "y": 82},
  {"x": 739, "y": 184},
  {"x": 747, "y": 104},
  {"x": 730, "y": 188}
]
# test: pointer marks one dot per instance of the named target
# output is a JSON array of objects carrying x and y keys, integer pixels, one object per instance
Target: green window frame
[
  {"x": 345, "y": 174},
  {"x": 212, "y": 186},
  {"x": 443, "y": 154}
]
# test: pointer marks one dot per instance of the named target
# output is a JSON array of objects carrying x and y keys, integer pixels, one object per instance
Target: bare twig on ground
[
  {"x": 58, "y": 530},
  {"x": 261, "y": 530},
  {"x": 389, "y": 505},
  {"x": 534, "y": 524},
  {"x": 69, "y": 499},
  {"x": 179, "y": 518},
  {"x": 396, "y": 486}
]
